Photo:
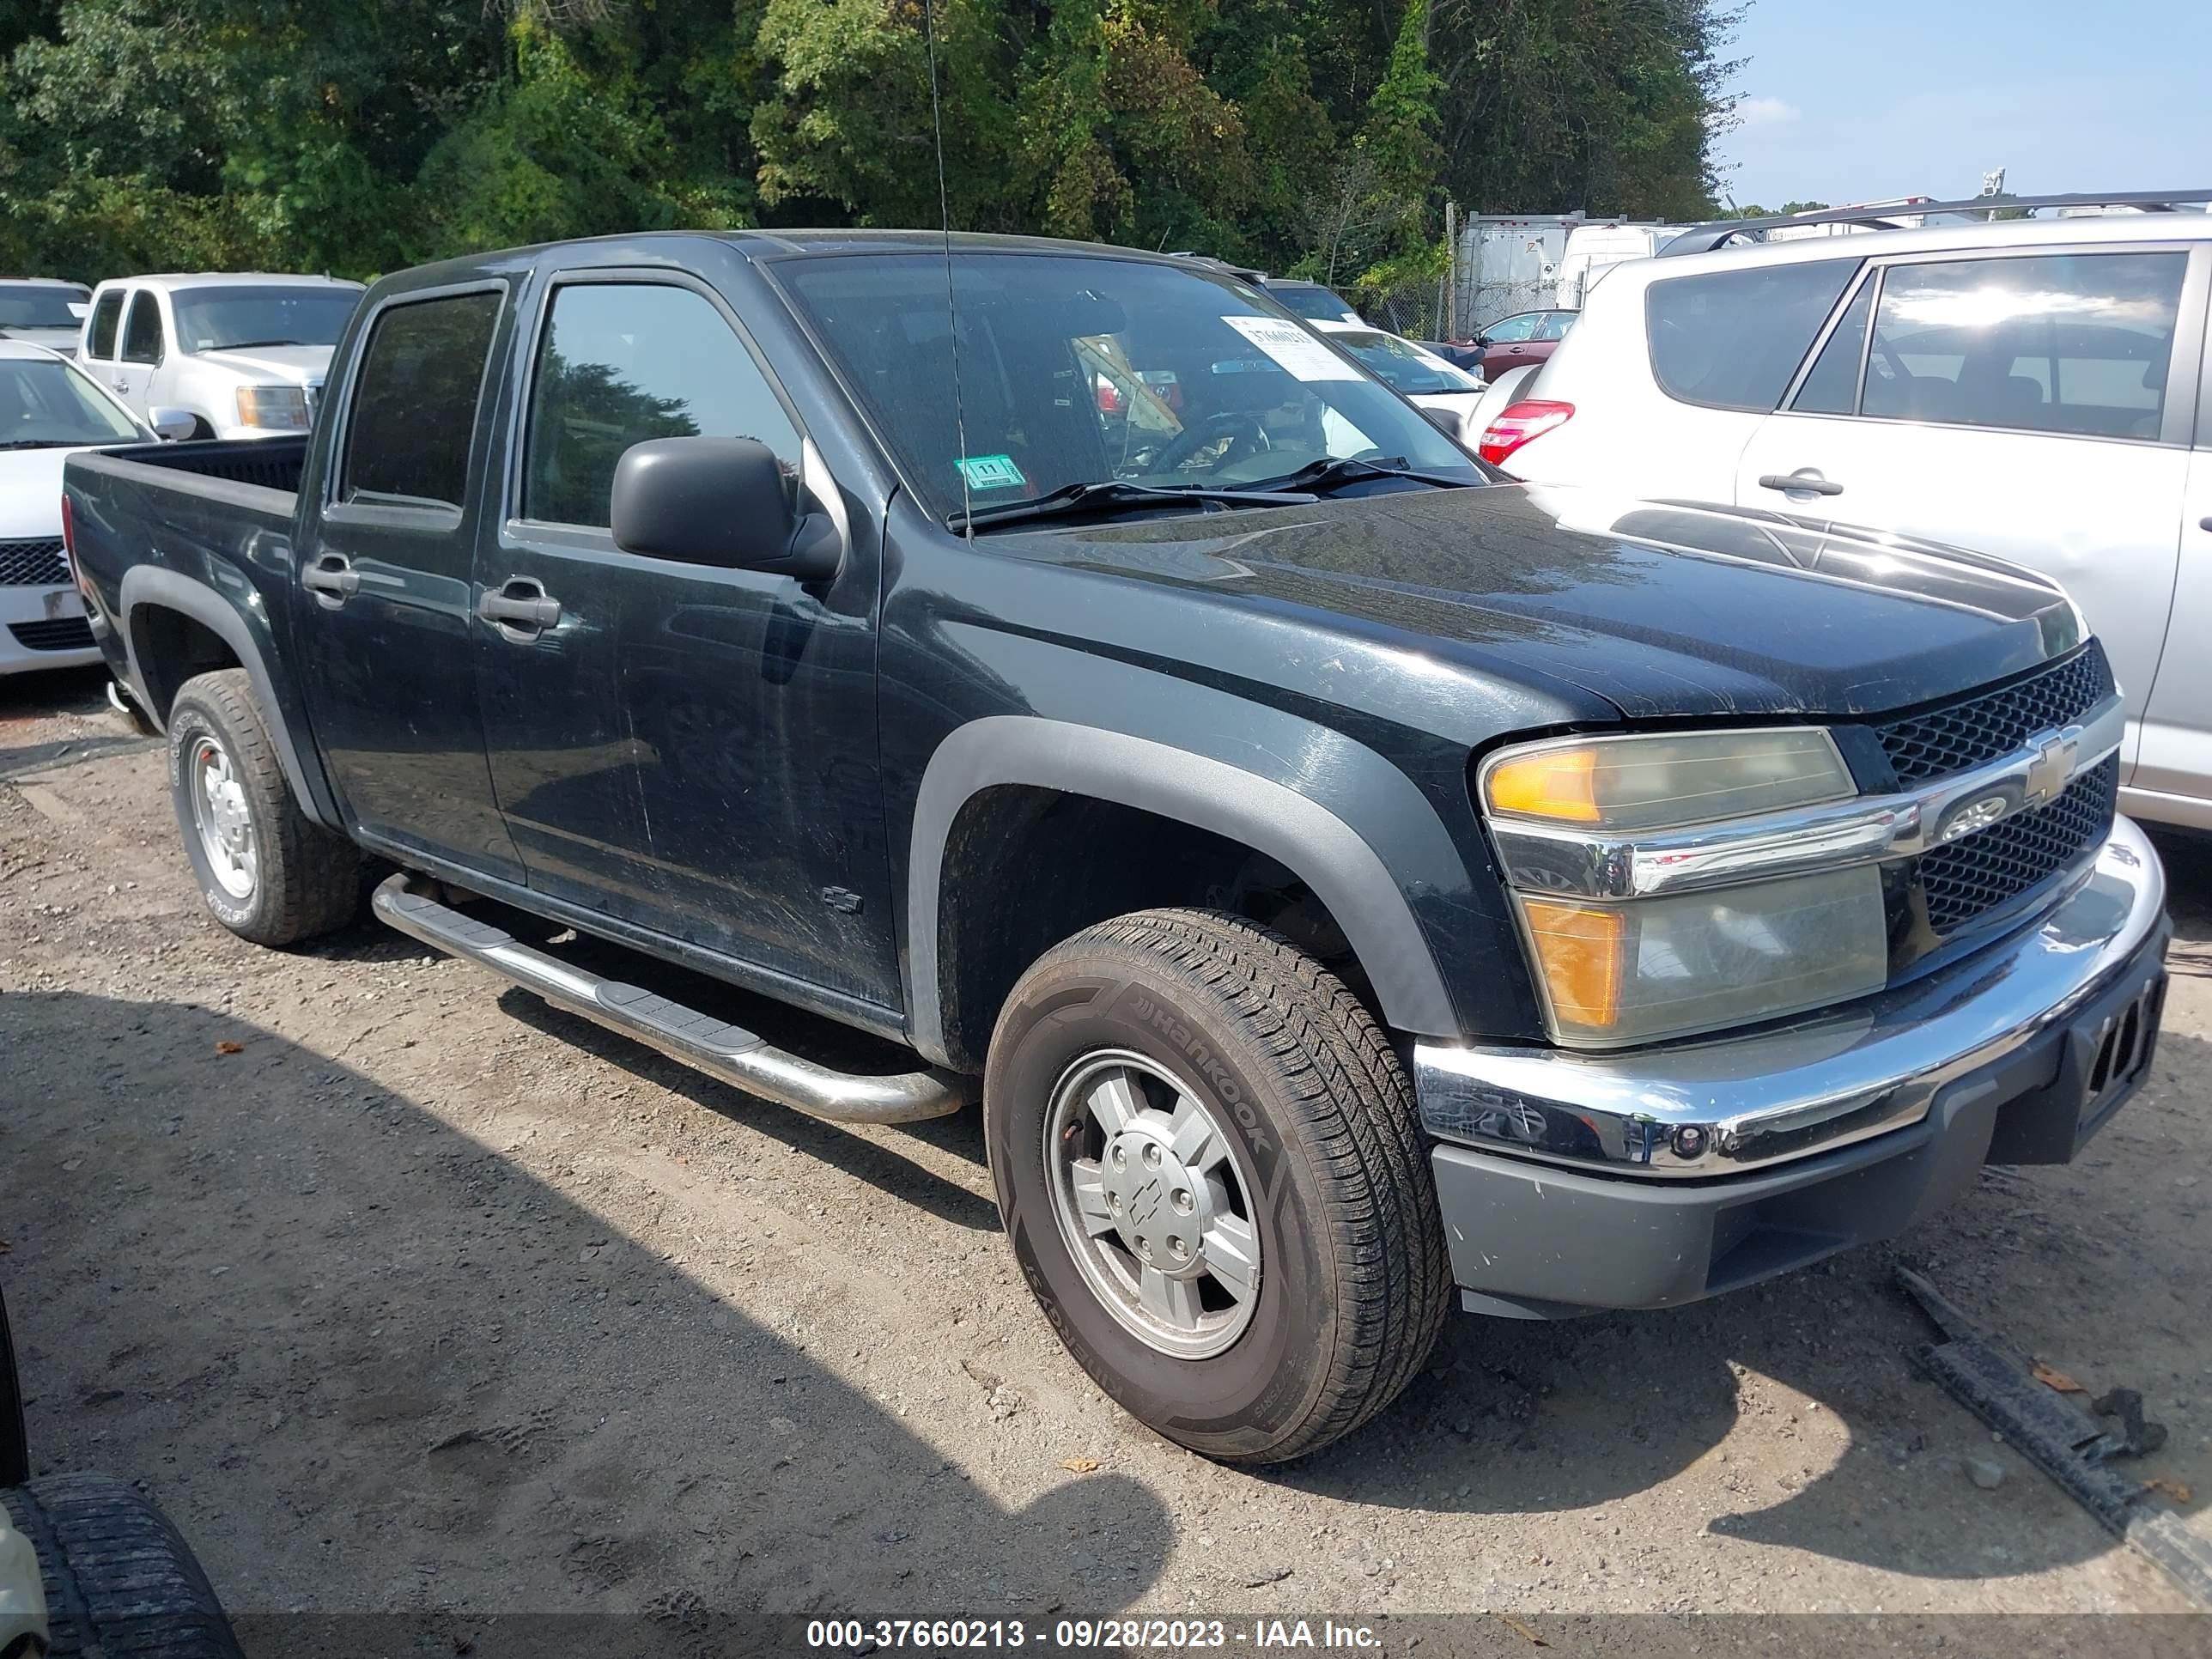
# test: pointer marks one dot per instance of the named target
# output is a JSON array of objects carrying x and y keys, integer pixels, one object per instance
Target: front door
[
  {"x": 2012, "y": 405},
  {"x": 383, "y": 620},
  {"x": 687, "y": 748}
]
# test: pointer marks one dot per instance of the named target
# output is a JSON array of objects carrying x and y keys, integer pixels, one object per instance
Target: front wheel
[
  {"x": 1207, "y": 1160},
  {"x": 268, "y": 872}
]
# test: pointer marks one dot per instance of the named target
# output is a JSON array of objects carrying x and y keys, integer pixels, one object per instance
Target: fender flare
[
  {"x": 149, "y": 585},
  {"x": 1329, "y": 854}
]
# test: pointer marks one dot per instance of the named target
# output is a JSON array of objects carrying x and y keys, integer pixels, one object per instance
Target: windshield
[
  {"x": 219, "y": 318},
  {"x": 1076, "y": 369},
  {"x": 1404, "y": 366},
  {"x": 40, "y": 306},
  {"x": 45, "y": 404},
  {"x": 1310, "y": 300}
]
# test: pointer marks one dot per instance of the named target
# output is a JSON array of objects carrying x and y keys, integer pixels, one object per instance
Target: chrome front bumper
[{"x": 1716, "y": 1107}]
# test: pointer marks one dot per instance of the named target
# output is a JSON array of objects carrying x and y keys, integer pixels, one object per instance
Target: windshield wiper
[
  {"x": 1108, "y": 493},
  {"x": 1323, "y": 476},
  {"x": 66, "y": 443}
]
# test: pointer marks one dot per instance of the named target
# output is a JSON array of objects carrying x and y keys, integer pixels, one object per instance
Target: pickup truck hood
[
  {"x": 274, "y": 365},
  {"x": 1663, "y": 609}
]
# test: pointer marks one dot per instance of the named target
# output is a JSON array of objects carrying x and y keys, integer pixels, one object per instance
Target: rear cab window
[
  {"x": 414, "y": 413},
  {"x": 107, "y": 316},
  {"x": 1733, "y": 339}
]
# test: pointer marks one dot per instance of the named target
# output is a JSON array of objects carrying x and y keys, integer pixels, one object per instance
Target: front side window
[
  {"x": 106, "y": 315},
  {"x": 1511, "y": 330},
  {"x": 1079, "y": 369},
  {"x": 142, "y": 331},
  {"x": 46, "y": 403},
  {"x": 2070, "y": 343},
  {"x": 415, "y": 404},
  {"x": 623, "y": 362},
  {"x": 1733, "y": 338},
  {"x": 236, "y": 319},
  {"x": 1554, "y": 324}
]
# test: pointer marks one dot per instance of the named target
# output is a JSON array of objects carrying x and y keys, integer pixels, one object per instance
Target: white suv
[{"x": 2035, "y": 388}]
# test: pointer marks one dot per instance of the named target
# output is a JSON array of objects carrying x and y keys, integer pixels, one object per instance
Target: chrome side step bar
[{"x": 737, "y": 1057}]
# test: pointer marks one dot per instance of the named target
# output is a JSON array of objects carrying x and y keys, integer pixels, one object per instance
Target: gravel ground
[{"x": 405, "y": 1293}]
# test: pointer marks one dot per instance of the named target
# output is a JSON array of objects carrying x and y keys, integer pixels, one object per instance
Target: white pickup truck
[{"x": 243, "y": 353}]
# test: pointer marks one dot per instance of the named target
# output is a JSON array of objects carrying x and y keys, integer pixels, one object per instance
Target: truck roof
[{"x": 175, "y": 280}]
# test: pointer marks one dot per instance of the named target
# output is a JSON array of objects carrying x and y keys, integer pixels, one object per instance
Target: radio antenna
[{"x": 952, "y": 312}]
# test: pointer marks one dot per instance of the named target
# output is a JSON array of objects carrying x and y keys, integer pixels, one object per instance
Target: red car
[{"x": 1527, "y": 336}]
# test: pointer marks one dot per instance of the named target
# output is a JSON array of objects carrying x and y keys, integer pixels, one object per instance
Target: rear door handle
[
  {"x": 520, "y": 606},
  {"x": 2205, "y": 524},
  {"x": 1804, "y": 482},
  {"x": 331, "y": 579}
]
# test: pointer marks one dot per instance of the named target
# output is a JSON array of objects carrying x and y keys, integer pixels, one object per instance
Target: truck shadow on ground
[{"x": 454, "y": 1386}]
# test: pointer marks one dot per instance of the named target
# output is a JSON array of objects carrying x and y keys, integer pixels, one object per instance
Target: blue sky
[{"x": 1853, "y": 101}]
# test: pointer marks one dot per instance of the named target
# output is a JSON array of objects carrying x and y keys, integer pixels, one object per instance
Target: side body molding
[
  {"x": 1298, "y": 831},
  {"x": 144, "y": 585}
]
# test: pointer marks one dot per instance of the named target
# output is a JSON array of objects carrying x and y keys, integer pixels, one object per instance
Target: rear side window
[
  {"x": 1832, "y": 387},
  {"x": 623, "y": 362},
  {"x": 105, "y": 316},
  {"x": 414, "y": 408},
  {"x": 141, "y": 331},
  {"x": 1731, "y": 339},
  {"x": 2078, "y": 343}
]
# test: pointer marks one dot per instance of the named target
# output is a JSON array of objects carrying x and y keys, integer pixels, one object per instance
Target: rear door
[
  {"x": 2014, "y": 403},
  {"x": 688, "y": 748},
  {"x": 143, "y": 347},
  {"x": 103, "y": 331},
  {"x": 383, "y": 616},
  {"x": 2173, "y": 768}
]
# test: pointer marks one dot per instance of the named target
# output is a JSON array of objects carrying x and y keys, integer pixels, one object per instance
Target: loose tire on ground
[
  {"x": 304, "y": 880},
  {"x": 1352, "y": 1280},
  {"x": 117, "y": 1578}
]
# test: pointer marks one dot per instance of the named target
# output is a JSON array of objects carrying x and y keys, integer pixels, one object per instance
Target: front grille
[
  {"x": 1980, "y": 729},
  {"x": 1996, "y": 865},
  {"x": 63, "y": 634},
  {"x": 33, "y": 564}
]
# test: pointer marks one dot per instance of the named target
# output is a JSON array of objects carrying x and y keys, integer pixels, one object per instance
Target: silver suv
[{"x": 2033, "y": 388}]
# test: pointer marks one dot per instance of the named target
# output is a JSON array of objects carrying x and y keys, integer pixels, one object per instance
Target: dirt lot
[{"x": 405, "y": 1293}]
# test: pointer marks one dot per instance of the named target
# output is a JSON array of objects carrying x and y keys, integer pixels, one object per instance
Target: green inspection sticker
[{"x": 990, "y": 472}]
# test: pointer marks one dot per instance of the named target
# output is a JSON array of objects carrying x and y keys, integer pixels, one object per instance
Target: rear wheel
[
  {"x": 117, "y": 1578},
  {"x": 268, "y": 872},
  {"x": 1206, "y": 1156}
]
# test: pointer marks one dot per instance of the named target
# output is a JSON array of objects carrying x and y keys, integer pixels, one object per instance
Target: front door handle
[
  {"x": 520, "y": 606},
  {"x": 2205, "y": 524},
  {"x": 331, "y": 579},
  {"x": 1803, "y": 481}
]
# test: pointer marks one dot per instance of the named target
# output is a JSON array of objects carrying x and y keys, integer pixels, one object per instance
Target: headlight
[
  {"x": 1634, "y": 971},
  {"x": 1667, "y": 782},
  {"x": 280, "y": 408},
  {"x": 1658, "y": 968}
]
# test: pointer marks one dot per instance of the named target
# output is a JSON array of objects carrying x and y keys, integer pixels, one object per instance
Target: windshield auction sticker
[{"x": 1297, "y": 351}]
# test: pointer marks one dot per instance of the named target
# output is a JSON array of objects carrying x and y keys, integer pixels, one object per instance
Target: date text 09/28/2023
[{"x": 870, "y": 1635}]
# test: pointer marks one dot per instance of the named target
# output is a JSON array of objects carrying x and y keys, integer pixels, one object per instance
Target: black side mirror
[
  {"x": 721, "y": 501},
  {"x": 1449, "y": 421}
]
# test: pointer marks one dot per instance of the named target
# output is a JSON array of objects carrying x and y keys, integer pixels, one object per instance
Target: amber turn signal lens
[
  {"x": 1552, "y": 783},
  {"x": 1578, "y": 951}
]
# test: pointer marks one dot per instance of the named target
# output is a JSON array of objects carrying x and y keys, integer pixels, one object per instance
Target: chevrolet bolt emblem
[{"x": 2053, "y": 769}]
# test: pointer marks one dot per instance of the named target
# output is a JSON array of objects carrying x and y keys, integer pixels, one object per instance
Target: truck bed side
[{"x": 185, "y": 554}]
